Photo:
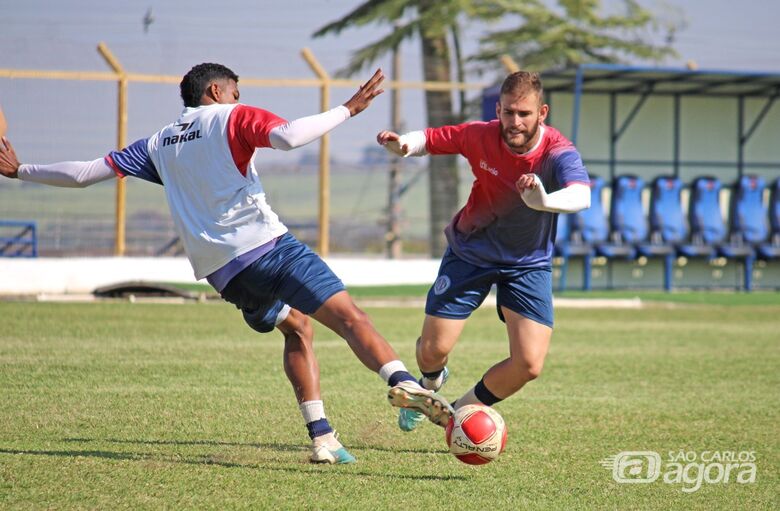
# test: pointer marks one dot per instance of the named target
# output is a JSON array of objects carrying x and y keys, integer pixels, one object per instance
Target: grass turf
[{"x": 128, "y": 406}]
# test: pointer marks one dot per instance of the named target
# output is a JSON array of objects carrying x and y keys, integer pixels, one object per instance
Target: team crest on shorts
[{"x": 441, "y": 285}]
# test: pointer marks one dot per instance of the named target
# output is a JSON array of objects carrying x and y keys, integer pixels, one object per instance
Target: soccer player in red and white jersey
[
  {"x": 525, "y": 172},
  {"x": 234, "y": 240}
]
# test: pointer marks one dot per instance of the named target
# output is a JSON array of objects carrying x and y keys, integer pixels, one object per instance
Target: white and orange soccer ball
[{"x": 476, "y": 434}]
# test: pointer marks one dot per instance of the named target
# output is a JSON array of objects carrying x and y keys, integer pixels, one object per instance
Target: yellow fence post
[
  {"x": 323, "y": 242},
  {"x": 121, "y": 193}
]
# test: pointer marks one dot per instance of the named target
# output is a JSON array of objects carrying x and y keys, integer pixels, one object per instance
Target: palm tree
[{"x": 432, "y": 21}]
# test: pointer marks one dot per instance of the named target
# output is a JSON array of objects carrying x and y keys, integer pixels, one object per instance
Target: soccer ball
[{"x": 476, "y": 434}]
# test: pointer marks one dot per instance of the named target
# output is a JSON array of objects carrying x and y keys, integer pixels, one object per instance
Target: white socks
[
  {"x": 391, "y": 368},
  {"x": 469, "y": 398},
  {"x": 312, "y": 411},
  {"x": 433, "y": 384}
]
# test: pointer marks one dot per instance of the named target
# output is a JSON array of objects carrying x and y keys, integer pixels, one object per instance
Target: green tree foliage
[{"x": 574, "y": 33}]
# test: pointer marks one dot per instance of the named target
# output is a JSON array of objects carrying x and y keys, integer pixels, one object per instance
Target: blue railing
[{"x": 18, "y": 239}]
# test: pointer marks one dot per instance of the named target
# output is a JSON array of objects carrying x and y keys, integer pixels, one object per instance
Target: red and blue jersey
[{"x": 495, "y": 227}]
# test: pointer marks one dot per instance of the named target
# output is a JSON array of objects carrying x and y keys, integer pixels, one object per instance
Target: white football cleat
[
  {"x": 409, "y": 394},
  {"x": 327, "y": 449}
]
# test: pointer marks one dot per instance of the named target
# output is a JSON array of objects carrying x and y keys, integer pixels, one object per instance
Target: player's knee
[
  {"x": 430, "y": 353},
  {"x": 529, "y": 369},
  {"x": 296, "y": 327},
  {"x": 533, "y": 369},
  {"x": 354, "y": 318}
]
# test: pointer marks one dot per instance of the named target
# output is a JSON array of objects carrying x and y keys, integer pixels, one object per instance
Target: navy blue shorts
[
  {"x": 289, "y": 275},
  {"x": 461, "y": 287}
]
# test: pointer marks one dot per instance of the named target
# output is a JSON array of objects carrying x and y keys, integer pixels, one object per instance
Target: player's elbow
[
  {"x": 286, "y": 139},
  {"x": 282, "y": 144},
  {"x": 581, "y": 196},
  {"x": 81, "y": 182}
]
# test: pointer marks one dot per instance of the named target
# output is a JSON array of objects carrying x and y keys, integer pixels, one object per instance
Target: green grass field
[{"x": 164, "y": 406}]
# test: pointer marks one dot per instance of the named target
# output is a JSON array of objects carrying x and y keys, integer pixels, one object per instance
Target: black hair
[{"x": 197, "y": 80}]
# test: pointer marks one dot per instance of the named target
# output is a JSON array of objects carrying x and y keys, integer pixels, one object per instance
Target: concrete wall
[
  {"x": 83, "y": 275},
  {"x": 20, "y": 276}
]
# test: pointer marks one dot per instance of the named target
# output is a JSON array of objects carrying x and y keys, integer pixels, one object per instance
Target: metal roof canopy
[{"x": 615, "y": 80}]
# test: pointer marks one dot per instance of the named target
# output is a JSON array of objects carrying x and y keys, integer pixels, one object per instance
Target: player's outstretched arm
[
  {"x": 304, "y": 130},
  {"x": 69, "y": 174}
]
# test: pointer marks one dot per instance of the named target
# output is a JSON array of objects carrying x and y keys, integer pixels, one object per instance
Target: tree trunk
[{"x": 442, "y": 170}]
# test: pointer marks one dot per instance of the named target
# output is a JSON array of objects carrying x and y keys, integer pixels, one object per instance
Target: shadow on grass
[
  {"x": 270, "y": 446},
  {"x": 208, "y": 460}
]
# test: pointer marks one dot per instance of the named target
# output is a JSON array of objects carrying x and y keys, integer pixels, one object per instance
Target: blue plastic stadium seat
[
  {"x": 771, "y": 248},
  {"x": 568, "y": 244},
  {"x": 707, "y": 223},
  {"x": 629, "y": 224},
  {"x": 668, "y": 220},
  {"x": 590, "y": 225},
  {"x": 595, "y": 229}
]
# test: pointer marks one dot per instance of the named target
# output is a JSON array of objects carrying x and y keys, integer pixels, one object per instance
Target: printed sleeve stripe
[
  {"x": 569, "y": 183},
  {"x": 134, "y": 160},
  {"x": 110, "y": 162}
]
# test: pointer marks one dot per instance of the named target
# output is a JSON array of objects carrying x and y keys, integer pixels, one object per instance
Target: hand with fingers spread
[
  {"x": 9, "y": 163},
  {"x": 365, "y": 94}
]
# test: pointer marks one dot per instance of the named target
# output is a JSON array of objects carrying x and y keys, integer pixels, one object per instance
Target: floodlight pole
[
  {"x": 324, "y": 190},
  {"x": 121, "y": 192}
]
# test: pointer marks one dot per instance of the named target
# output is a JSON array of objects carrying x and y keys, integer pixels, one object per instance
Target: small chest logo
[
  {"x": 484, "y": 166},
  {"x": 441, "y": 285}
]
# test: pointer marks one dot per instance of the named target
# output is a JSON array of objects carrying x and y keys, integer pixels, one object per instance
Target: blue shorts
[
  {"x": 461, "y": 287},
  {"x": 289, "y": 275}
]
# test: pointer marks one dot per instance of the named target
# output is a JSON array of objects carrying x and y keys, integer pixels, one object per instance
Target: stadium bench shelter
[{"x": 678, "y": 122}]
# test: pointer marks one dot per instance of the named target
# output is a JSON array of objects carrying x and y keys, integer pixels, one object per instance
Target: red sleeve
[
  {"x": 248, "y": 128},
  {"x": 448, "y": 139}
]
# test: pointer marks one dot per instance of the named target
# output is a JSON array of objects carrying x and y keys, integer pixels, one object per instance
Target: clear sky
[{"x": 263, "y": 39}]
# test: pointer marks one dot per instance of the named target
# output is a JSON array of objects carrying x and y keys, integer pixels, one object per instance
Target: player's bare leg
[
  {"x": 300, "y": 363},
  {"x": 439, "y": 336},
  {"x": 528, "y": 345},
  {"x": 340, "y": 314},
  {"x": 303, "y": 371}
]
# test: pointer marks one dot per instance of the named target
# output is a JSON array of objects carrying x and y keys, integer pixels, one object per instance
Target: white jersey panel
[{"x": 218, "y": 212}]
